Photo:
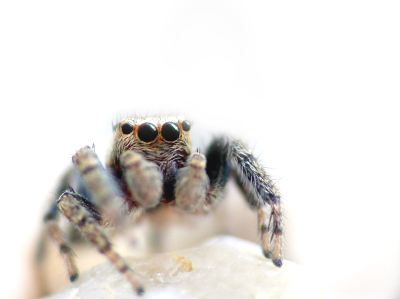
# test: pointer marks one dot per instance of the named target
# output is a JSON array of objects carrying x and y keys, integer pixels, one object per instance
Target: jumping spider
[{"x": 150, "y": 164}]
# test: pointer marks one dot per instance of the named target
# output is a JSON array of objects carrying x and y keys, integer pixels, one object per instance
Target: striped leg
[
  {"x": 260, "y": 190},
  {"x": 276, "y": 217},
  {"x": 54, "y": 231},
  {"x": 70, "y": 206},
  {"x": 265, "y": 228}
]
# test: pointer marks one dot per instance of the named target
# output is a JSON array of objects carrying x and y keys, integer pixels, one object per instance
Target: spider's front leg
[
  {"x": 260, "y": 190},
  {"x": 56, "y": 235},
  {"x": 225, "y": 152},
  {"x": 105, "y": 190},
  {"x": 70, "y": 206}
]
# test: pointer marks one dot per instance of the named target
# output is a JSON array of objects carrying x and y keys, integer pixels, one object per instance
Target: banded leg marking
[
  {"x": 57, "y": 237},
  {"x": 264, "y": 230},
  {"x": 276, "y": 218},
  {"x": 78, "y": 215}
]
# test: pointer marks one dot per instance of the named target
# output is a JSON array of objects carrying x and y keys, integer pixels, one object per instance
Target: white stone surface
[{"x": 223, "y": 267}]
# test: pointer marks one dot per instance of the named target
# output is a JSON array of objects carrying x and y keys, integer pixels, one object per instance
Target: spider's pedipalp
[
  {"x": 101, "y": 185},
  {"x": 192, "y": 183},
  {"x": 70, "y": 206},
  {"x": 144, "y": 179}
]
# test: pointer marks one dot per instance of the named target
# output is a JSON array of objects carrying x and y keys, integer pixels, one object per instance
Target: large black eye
[
  {"x": 186, "y": 125},
  {"x": 127, "y": 128},
  {"x": 170, "y": 131},
  {"x": 147, "y": 132}
]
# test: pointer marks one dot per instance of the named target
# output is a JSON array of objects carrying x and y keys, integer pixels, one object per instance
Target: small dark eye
[
  {"x": 170, "y": 131},
  {"x": 127, "y": 128},
  {"x": 147, "y": 132},
  {"x": 186, "y": 125}
]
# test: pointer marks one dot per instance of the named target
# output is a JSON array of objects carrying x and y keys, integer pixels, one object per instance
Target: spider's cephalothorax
[
  {"x": 162, "y": 141},
  {"x": 159, "y": 140},
  {"x": 150, "y": 164}
]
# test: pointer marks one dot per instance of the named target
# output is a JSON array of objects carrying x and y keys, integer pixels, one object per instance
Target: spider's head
[{"x": 158, "y": 139}]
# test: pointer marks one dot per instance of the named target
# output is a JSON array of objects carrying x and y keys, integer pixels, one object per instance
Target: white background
[{"x": 312, "y": 85}]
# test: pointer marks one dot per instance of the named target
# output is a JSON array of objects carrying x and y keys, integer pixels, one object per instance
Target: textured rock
[{"x": 223, "y": 267}]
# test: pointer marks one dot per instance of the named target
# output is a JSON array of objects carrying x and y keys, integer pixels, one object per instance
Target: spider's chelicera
[{"x": 151, "y": 163}]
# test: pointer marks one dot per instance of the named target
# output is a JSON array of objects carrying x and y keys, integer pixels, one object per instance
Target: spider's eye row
[
  {"x": 147, "y": 132},
  {"x": 127, "y": 128},
  {"x": 186, "y": 125},
  {"x": 170, "y": 131}
]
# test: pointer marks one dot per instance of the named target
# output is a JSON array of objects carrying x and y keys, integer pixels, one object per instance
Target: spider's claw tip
[
  {"x": 278, "y": 262},
  {"x": 74, "y": 277},
  {"x": 140, "y": 291},
  {"x": 267, "y": 254}
]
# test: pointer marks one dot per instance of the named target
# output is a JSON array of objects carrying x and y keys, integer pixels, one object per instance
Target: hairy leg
[
  {"x": 56, "y": 235},
  {"x": 265, "y": 227},
  {"x": 226, "y": 153},
  {"x": 51, "y": 229},
  {"x": 70, "y": 206},
  {"x": 260, "y": 190}
]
